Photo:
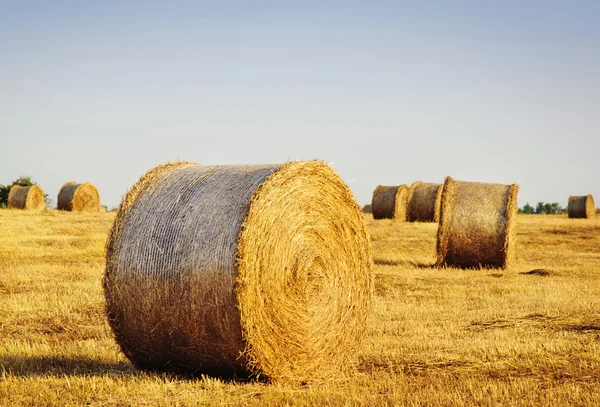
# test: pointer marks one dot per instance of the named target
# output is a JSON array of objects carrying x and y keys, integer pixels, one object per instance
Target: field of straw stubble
[{"x": 529, "y": 335}]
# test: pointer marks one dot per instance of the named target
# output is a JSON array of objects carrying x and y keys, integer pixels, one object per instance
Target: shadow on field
[
  {"x": 383, "y": 262},
  {"x": 32, "y": 366},
  {"x": 537, "y": 272},
  {"x": 28, "y": 366},
  {"x": 583, "y": 324}
]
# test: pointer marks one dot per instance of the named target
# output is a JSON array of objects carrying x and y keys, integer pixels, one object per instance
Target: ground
[{"x": 529, "y": 335}]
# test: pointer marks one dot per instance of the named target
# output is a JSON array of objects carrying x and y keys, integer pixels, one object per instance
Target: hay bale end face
[
  {"x": 257, "y": 270},
  {"x": 30, "y": 198},
  {"x": 476, "y": 224},
  {"x": 389, "y": 202},
  {"x": 78, "y": 198},
  {"x": 581, "y": 207},
  {"x": 424, "y": 202}
]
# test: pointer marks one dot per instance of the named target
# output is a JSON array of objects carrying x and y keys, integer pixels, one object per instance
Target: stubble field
[{"x": 529, "y": 335}]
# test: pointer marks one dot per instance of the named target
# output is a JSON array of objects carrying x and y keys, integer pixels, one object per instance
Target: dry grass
[
  {"x": 527, "y": 336},
  {"x": 390, "y": 202},
  {"x": 423, "y": 202},
  {"x": 78, "y": 197},
  {"x": 581, "y": 206},
  {"x": 476, "y": 224},
  {"x": 223, "y": 269},
  {"x": 30, "y": 198}
]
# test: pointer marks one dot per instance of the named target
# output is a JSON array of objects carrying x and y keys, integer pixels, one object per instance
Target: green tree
[
  {"x": 540, "y": 208},
  {"x": 528, "y": 209}
]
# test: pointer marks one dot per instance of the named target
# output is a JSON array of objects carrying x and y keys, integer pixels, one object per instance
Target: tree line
[{"x": 543, "y": 209}]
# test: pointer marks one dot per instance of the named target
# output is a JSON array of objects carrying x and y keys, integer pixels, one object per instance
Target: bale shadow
[
  {"x": 42, "y": 366},
  {"x": 35, "y": 366},
  {"x": 382, "y": 262},
  {"x": 412, "y": 368},
  {"x": 537, "y": 272}
]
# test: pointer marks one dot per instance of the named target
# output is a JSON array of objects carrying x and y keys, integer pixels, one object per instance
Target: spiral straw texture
[
  {"x": 581, "y": 207},
  {"x": 30, "y": 198},
  {"x": 389, "y": 202},
  {"x": 78, "y": 198},
  {"x": 257, "y": 270},
  {"x": 476, "y": 224}
]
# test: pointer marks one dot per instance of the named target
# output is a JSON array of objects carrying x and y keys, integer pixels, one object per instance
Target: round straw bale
[
  {"x": 78, "y": 197},
  {"x": 389, "y": 202},
  {"x": 31, "y": 198},
  {"x": 424, "y": 202},
  {"x": 476, "y": 224},
  {"x": 581, "y": 206},
  {"x": 248, "y": 270}
]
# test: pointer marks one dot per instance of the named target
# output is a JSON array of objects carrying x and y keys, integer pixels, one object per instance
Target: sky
[{"x": 387, "y": 92}]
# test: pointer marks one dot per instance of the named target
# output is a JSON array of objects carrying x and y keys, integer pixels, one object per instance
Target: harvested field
[{"x": 438, "y": 337}]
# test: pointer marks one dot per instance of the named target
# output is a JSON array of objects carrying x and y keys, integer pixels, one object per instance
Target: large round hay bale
[
  {"x": 250, "y": 270},
  {"x": 581, "y": 206},
  {"x": 30, "y": 198},
  {"x": 424, "y": 202},
  {"x": 476, "y": 224},
  {"x": 78, "y": 198},
  {"x": 389, "y": 202}
]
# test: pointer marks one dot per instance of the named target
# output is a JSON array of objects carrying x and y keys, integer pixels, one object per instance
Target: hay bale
[
  {"x": 256, "y": 270},
  {"x": 476, "y": 224},
  {"x": 424, "y": 202},
  {"x": 367, "y": 208},
  {"x": 78, "y": 198},
  {"x": 30, "y": 198},
  {"x": 389, "y": 202},
  {"x": 581, "y": 206}
]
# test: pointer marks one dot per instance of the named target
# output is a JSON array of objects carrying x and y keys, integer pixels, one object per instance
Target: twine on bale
[
  {"x": 424, "y": 202},
  {"x": 476, "y": 224},
  {"x": 30, "y": 198},
  {"x": 258, "y": 270},
  {"x": 78, "y": 198},
  {"x": 389, "y": 202},
  {"x": 581, "y": 206}
]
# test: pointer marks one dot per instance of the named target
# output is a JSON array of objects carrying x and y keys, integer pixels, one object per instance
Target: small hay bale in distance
[
  {"x": 476, "y": 224},
  {"x": 581, "y": 206},
  {"x": 78, "y": 198},
  {"x": 244, "y": 270},
  {"x": 389, "y": 202},
  {"x": 423, "y": 202},
  {"x": 30, "y": 198}
]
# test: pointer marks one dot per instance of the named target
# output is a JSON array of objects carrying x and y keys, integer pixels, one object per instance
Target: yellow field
[{"x": 436, "y": 337}]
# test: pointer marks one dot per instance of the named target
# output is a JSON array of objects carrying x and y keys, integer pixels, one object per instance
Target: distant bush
[{"x": 543, "y": 209}]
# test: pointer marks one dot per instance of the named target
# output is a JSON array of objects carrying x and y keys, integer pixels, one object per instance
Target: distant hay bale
[
  {"x": 78, "y": 198},
  {"x": 389, "y": 202},
  {"x": 367, "y": 208},
  {"x": 476, "y": 224},
  {"x": 248, "y": 270},
  {"x": 30, "y": 198},
  {"x": 424, "y": 202},
  {"x": 102, "y": 208},
  {"x": 581, "y": 206}
]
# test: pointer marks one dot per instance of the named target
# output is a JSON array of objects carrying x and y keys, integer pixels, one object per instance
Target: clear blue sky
[{"x": 388, "y": 92}]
